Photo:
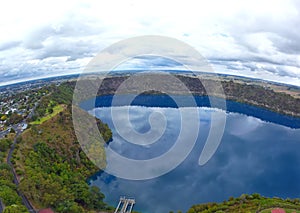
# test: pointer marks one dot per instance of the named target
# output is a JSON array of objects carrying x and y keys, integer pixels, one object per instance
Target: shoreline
[
  {"x": 275, "y": 98},
  {"x": 161, "y": 100}
]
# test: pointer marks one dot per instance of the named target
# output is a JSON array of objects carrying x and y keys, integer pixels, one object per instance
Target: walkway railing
[{"x": 125, "y": 205}]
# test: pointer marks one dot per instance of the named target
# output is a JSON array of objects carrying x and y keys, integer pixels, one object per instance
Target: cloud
[
  {"x": 149, "y": 62},
  {"x": 9, "y": 45},
  {"x": 245, "y": 162},
  {"x": 249, "y": 38}
]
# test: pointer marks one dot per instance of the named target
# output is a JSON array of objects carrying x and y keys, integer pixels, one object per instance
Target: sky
[{"x": 257, "y": 38}]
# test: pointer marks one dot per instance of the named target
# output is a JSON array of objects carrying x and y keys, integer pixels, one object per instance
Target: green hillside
[
  {"x": 248, "y": 203},
  {"x": 51, "y": 165}
]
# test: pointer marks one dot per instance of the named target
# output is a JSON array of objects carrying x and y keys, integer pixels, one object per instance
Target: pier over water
[{"x": 125, "y": 205}]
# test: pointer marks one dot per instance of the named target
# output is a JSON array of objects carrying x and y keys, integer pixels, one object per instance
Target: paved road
[
  {"x": 3, "y": 133},
  {"x": 17, "y": 127},
  {"x": 18, "y": 130},
  {"x": 1, "y": 206},
  {"x": 24, "y": 199}
]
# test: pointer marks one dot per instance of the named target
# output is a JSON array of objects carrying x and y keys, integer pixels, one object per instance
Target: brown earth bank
[{"x": 282, "y": 99}]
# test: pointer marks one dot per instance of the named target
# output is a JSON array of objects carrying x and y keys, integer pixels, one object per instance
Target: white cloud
[{"x": 251, "y": 38}]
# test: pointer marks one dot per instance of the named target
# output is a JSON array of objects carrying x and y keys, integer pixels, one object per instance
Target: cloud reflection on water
[{"x": 254, "y": 156}]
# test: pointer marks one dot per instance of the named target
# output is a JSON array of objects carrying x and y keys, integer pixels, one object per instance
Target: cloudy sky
[{"x": 250, "y": 38}]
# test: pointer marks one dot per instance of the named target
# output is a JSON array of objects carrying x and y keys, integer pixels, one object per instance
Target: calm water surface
[{"x": 255, "y": 155}]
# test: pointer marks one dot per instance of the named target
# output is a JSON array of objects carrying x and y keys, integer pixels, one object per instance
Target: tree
[
  {"x": 14, "y": 118},
  {"x": 19, "y": 139},
  {"x": 5, "y": 144},
  {"x": 9, "y": 196},
  {"x": 3, "y": 117},
  {"x": 15, "y": 209},
  {"x": 256, "y": 196},
  {"x": 95, "y": 199}
]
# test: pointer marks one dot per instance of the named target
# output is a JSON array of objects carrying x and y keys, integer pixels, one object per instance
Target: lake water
[{"x": 259, "y": 153}]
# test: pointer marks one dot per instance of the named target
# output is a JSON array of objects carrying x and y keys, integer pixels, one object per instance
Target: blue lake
[{"x": 259, "y": 153}]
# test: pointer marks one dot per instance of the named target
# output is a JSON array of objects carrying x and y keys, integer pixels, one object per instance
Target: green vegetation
[
  {"x": 248, "y": 203},
  {"x": 14, "y": 118},
  {"x": 51, "y": 113},
  {"x": 51, "y": 181},
  {"x": 15, "y": 209},
  {"x": 48, "y": 105},
  {"x": 248, "y": 93},
  {"x": 53, "y": 169},
  {"x": 103, "y": 128},
  {"x": 51, "y": 165},
  {"x": 5, "y": 144},
  {"x": 8, "y": 190},
  {"x": 3, "y": 117},
  {"x": 63, "y": 94},
  {"x": 263, "y": 97}
]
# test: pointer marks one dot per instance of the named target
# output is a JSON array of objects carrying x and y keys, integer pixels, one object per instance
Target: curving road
[
  {"x": 18, "y": 130},
  {"x": 16, "y": 181},
  {"x": 1, "y": 206}
]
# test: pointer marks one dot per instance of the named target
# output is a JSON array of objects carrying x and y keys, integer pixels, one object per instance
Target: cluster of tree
[
  {"x": 237, "y": 91},
  {"x": 5, "y": 144},
  {"x": 14, "y": 118},
  {"x": 8, "y": 191},
  {"x": 51, "y": 165},
  {"x": 246, "y": 93},
  {"x": 3, "y": 117},
  {"x": 53, "y": 168},
  {"x": 52, "y": 182},
  {"x": 262, "y": 97},
  {"x": 61, "y": 94},
  {"x": 106, "y": 133},
  {"x": 247, "y": 203},
  {"x": 29, "y": 96},
  {"x": 11, "y": 118}
]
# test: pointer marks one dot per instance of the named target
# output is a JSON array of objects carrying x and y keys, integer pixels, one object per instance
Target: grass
[{"x": 57, "y": 109}]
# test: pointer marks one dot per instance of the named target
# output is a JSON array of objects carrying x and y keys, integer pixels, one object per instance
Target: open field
[{"x": 57, "y": 109}]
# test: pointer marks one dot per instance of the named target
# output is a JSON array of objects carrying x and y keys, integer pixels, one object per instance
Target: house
[
  {"x": 24, "y": 126},
  {"x": 46, "y": 211},
  {"x": 278, "y": 210},
  {"x": 12, "y": 110}
]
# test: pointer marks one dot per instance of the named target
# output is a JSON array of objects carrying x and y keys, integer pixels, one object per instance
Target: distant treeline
[{"x": 241, "y": 92}]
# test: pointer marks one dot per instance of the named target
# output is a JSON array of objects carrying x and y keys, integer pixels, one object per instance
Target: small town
[
  {"x": 15, "y": 109},
  {"x": 18, "y": 101}
]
